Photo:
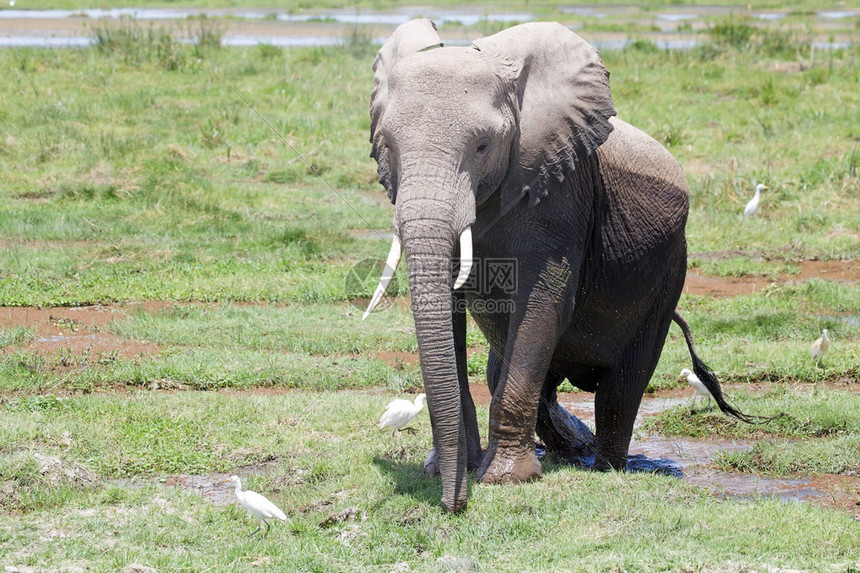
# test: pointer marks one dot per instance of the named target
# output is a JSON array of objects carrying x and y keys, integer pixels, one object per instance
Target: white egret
[
  {"x": 693, "y": 380},
  {"x": 752, "y": 206},
  {"x": 400, "y": 412},
  {"x": 820, "y": 346},
  {"x": 257, "y": 506}
]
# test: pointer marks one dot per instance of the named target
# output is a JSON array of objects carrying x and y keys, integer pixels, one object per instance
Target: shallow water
[
  {"x": 677, "y": 17},
  {"x": 45, "y": 41},
  {"x": 690, "y": 459},
  {"x": 770, "y": 16},
  {"x": 214, "y": 488},
  {"x": 462, "y": 17},
  {"x": 837, "y": 15},
  {"x": 65, "y": 31}
]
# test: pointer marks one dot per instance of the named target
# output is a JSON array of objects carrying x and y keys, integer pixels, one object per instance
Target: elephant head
[{"x": 450, "y": 127}]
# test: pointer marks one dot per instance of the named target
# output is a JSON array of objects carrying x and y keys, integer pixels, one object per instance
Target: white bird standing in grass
[
  {"x": 257, "y": 506},
  {"x": 694, "y": 381},
  {"x": 400, "y": 412},
  {"x": 820, "y": 346},
  {"x": 752, "y": 206}
]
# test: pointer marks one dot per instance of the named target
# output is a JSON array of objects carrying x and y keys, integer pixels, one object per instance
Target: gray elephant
[{"x": 506, "y": 152}]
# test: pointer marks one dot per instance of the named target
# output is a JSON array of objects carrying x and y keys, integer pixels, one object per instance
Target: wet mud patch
[
  {"x": 214, "y": 487},
  {"x": 691, "y": 459},
  {"x": 79, "y": 331},
  {"x": 700, "y": 284},
  {"x": 398, "y": 360}
]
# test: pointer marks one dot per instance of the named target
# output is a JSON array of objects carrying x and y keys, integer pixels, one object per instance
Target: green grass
[
  {"x": 838, "y": 455},
  {"x": 148, "y": 178},
  {"x": 767, "y": 336},
  {"x": 321, "y": 460},
  {"x": 334, "y": 329},
  {"x": 198, "y": 368},
  {"x": 796, "y": 412},
  {"x": 15, "y": 336},
  {"x": 815, "y": 431},
  {"x": 154, "y": 183}
]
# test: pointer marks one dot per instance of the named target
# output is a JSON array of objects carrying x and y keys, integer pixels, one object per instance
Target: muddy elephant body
[
  {"x": 611, "y": 301},
  {"x": 505, "y": 157}
]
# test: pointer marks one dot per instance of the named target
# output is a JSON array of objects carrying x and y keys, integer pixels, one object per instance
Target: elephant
[{"x": 507, "y": 152}]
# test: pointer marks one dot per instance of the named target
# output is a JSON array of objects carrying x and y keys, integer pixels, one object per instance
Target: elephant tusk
[
  {"x": 465, "y": 257},
  {"x": 387, "y": 274}
]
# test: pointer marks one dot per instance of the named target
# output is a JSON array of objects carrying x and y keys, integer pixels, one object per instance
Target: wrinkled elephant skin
[{"x": 507, "y": 153}]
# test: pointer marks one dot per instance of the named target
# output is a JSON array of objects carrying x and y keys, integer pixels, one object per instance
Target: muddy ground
[{"x": 83, "y": 330}]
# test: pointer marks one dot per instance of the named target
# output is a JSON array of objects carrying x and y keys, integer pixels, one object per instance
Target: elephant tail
[{"x": 709, "y": 379}]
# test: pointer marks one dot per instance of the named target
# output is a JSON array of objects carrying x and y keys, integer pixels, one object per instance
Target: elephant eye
[{"x": 482, "y": 145}]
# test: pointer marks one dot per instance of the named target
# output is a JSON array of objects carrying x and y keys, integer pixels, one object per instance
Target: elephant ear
[
  {"x": 409, "y": 38},
  {"x": 564, "y": 105}
]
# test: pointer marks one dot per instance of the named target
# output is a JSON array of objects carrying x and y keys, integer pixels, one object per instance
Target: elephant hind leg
[
  {"x": 565, "y": 436},
  {"x": 619, "y": 394}
]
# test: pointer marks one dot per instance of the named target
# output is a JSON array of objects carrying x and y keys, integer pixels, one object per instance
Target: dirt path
[{"x": 704, "y": 285}]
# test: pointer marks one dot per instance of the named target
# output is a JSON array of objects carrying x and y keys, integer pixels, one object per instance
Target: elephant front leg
[{"x": 510, "y": 456}]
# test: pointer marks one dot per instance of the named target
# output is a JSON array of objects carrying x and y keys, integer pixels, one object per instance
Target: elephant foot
[
  {"x": 509, "y": 465},
  {"x": 431, "y": 464},
  {"x": 605, "y": 460}
]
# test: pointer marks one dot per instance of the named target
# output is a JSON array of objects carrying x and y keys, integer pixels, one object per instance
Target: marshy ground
[{"x": 177, "y": 304}]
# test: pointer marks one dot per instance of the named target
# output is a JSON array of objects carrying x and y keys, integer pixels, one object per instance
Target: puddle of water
[
  {"x": 657, "y": 405},
  {"x": 837, "y": 15},
  {"x": 848, "y": 320},
  {"x": 282, "y": 41},
  {"x": 589, "y": 12},
  {"x": 52, "y": 339},
  {"x": 620, "y": 43},
  {"x": 392, "y": 19},
  {"x": 45, "y": 42},
  {"x": 677, "y": 17},
  {"x": 685, "y": 452},
  {"x": 214, "y": 488},
  {"x": 688, "y": 459},
  {"x": 771, "y": 16},
  {"x": 96, "y": 13},
  {"x": 745, "y": 486},
  {"x": 584, "y": 409},
  {"x": 831, "y": 45}
]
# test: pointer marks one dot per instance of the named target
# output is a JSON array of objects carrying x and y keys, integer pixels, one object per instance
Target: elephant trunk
[{"x": 429, "y": 232}]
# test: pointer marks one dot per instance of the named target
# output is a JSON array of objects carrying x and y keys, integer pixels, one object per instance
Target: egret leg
[
  {"x": 409, "y": 429},
  {"x": 268, "y": 527},
  {"x": 255, "y": 531}
]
